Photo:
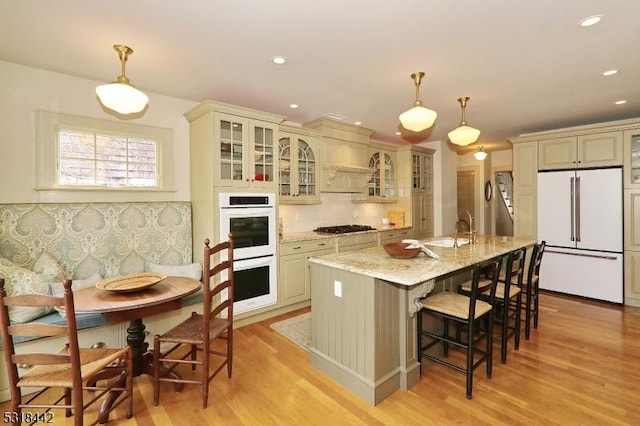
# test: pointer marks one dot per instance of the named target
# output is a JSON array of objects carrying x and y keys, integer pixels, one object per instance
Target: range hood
[
  {"x": 344, "y": 156},
  {"x": 343, "y": 178}
]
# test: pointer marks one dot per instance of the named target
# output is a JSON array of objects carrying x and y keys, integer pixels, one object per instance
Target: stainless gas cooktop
[{"x": 343, "y": 229}]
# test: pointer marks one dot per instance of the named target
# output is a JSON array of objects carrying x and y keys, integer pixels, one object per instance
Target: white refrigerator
[{"x": 580, "y": 217}]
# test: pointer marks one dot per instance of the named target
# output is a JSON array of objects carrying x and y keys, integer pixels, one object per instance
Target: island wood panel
[{"x": 363, "y": 339}]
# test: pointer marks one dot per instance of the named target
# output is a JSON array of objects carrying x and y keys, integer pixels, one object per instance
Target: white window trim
[{"x": 48, "y": 125}]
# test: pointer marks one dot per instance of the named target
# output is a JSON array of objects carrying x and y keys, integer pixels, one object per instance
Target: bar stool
[
  {"x": 507, "y": 301},
  {"x": 531, "y": 288},
  {"x": 466, "y": 312}
]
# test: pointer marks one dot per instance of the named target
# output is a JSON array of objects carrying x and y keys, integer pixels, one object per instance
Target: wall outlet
[
  {"x": 355, "y": 215},
  {"x": 337, "y": 288}
]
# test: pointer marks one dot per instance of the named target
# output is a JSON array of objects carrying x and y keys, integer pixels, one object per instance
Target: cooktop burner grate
[{"x": 343, "y": 229}]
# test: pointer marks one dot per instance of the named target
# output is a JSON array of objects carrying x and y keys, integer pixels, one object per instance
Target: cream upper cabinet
[
  {"x": 240, "y": 145},
  {"x": 382, "y": 187},
  {"x": 632, "y": 158},
  {"x": 581, "y": 151},
  {"x": 298, "y": 170}
]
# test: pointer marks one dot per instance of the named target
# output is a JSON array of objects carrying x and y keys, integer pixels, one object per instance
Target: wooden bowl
[{"x": 399, "y": 251}]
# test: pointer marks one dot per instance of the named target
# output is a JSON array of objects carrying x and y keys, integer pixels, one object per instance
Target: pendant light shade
[
  {"x": 480, "y": 154},
  {"x": 120, "y": 95},
  {"x": 418, "y": 118},
  {"x": 464, "y": 134}
]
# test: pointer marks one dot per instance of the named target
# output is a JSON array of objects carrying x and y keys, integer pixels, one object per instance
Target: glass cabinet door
[
  {"x": 232, "y": 143},
  {"x": 635, "y": 159},
  {"x": 374, "y": 182},
  {"x": 285, "y": 167},
  {"x": 263, "y": 154},
  {"x": 389, "y": 175},
  {"x": 307, "y": 177},
  {"x": 382, "y": 183},
  {"x": 298, "y": 171}
]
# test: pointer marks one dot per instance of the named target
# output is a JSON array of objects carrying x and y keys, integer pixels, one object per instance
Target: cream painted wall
[{"x": 25, "y": 90}]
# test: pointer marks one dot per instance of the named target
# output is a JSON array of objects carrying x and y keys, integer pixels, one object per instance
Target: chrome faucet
[{"x": 472, "y": 231}]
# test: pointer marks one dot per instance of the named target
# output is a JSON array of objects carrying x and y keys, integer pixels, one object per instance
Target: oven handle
[
  {"x": 242, "y": 264},
  {"x": 247, "y": 212}
]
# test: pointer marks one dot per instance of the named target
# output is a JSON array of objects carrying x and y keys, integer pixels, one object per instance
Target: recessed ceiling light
[
  {"x": 278, "y": 60},
  {"x": 607, "y": 73},
  {"x": 357, "y": 123},
  {"x": 620, "y": 102},
  {"x": 591, "y": 20},
  {"x": 398, "y": 133},
  {"x": 293, "y": 106}
]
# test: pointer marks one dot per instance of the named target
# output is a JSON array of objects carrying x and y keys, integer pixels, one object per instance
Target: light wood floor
[{"x": 582, "y": 366}]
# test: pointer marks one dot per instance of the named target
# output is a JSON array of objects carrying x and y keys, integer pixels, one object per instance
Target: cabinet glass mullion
[
  {"x": 285, "y": 166},
  {"x": 263, "y": 144},
  {"x": 231, "y": 150},
  {"x": 635, "y": 159},
  {"x": 307, "y": 169}
]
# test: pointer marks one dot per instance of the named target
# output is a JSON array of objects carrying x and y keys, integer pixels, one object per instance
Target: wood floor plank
[{"x": 579, "y": 367}]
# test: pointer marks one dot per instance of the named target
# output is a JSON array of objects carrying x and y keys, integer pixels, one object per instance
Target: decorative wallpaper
[{"x": 109, "y": 238}]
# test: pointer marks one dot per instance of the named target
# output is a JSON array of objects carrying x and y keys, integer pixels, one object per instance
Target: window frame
[{"x": 50, "y": 123}]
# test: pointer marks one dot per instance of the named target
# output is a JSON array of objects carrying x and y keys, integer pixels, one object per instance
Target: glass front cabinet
[
  {"x": 298, "y": 169},
  {"x": 382, "y": 186},
  {"x": 632, "y": 158},
  {"x": 247, "y": 152}
]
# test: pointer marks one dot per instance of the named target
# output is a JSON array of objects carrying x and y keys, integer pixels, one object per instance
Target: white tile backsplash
[{"x": 335, "y": 209}]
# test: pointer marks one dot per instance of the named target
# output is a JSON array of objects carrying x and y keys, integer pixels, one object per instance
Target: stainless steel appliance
[
  {"x": 251, "y": 218},
  {"x": 580, "y": 218}
]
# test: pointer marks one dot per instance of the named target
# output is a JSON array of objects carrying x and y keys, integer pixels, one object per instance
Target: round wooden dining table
[{"x": 133, "y": 306}]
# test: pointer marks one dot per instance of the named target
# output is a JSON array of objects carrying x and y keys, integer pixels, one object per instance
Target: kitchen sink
[{"x": 446, "y": 242}]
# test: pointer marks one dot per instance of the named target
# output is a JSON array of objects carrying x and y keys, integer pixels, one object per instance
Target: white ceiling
[{"x": 526, "y": 65}]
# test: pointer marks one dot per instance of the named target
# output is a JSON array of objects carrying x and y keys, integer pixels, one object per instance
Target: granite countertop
[
  {"x": 290, "y": 237},
  {"x": 375, "y": 262}
]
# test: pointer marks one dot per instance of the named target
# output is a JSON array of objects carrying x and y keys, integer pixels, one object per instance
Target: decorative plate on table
[{"x": 133, "y": 282}]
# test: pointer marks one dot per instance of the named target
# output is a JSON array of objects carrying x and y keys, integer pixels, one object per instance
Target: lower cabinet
[
  {"x": 632, "y": 278},
  {"x": 395, "y": 235},
  {"x": 294, "y": 277},
  {"x": 358, "y": 241}
]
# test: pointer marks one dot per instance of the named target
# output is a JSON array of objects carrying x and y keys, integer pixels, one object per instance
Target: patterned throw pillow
[
  {"x": 47, "y": 266},
  {"x": 22, "y": 281},
  {"x": 193, "y": 270}
]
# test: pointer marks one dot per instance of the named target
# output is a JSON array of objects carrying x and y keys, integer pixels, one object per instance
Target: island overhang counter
[{"x": 363, "y": 305}]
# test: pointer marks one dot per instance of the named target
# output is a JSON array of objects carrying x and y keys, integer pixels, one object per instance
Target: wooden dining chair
[
  {"x": 531, "y": 289},
  {"x": 62, "y": 379},
  {"x": 199, "y": 332},
  {"x": 472, "y": 321}
]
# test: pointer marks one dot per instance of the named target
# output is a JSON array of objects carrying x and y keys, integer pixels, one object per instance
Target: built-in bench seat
[{"x": 110, "y": 239}]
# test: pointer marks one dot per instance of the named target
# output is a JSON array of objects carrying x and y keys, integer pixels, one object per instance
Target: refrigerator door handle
[
  {"x": 594, "y": 256},
  {"x": 578, "y": 209},
  {"x": 572, "y": 213}
]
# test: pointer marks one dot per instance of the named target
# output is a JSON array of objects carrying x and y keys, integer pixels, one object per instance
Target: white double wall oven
[{"x": 251, "y": 219}]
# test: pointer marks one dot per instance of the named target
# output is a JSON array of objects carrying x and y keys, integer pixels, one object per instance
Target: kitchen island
[{"x": 363, "y": 304}]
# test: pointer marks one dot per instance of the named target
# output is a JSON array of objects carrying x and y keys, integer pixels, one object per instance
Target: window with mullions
[
  {"x": 84, "y": 153},
  {"x": 94, "y": 159}
]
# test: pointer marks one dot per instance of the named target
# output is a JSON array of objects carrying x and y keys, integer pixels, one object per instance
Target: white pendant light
[
  {"x": 464, "y": 134},
  {"x": 120, "y": 95},
  {"x": 480, "y": 154},
  {"x": 418, "y": 118}
]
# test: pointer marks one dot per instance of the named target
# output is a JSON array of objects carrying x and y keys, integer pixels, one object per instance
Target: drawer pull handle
[{"x": 297, "y": 248}]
